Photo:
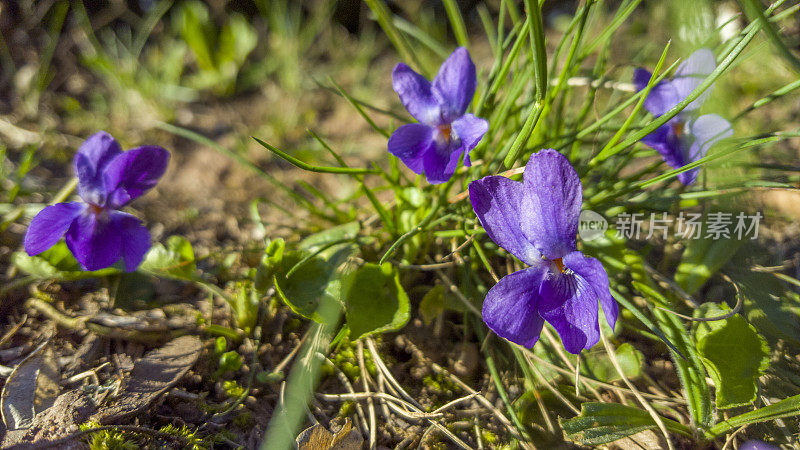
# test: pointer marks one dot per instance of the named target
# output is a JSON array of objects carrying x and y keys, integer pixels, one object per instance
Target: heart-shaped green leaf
[
  {"x": 312, "y": 280},
  {"x": 375, "y": 301},
  {"x": 600, "y": 423},
  {"x": 733, "y": 353},
  {"x": 175, "y": 260},
  {"x": 599, "y": 366}
]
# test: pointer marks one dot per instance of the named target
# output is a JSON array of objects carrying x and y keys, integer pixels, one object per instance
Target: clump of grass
[{"x": 108, "y": 439}]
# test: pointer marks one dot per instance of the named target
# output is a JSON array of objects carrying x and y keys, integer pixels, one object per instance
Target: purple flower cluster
[
  {"x": 685, "y": 138},
  {"x": 96, "y": 232},
  {"x": 537, "y": 221},
  {"x": 444, "y": 132}
]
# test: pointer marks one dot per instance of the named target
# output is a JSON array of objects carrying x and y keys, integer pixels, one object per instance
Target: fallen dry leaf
[
  {"x": 157, "y": 371},
  {"x": 31, "y": 388},
  {"x": 319, "y": 438}
]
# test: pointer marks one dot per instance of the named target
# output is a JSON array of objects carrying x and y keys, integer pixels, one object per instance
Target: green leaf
[
  {"x": 598, "y": 365},
  {"x": 38, "y": 266},
  {"x": 236, "y": 40},
  {"x": 195, "y": 30},
  {"x": 176, "y": 260},
  {"x": 432, "y": 304},
  {"x": 691, "y": 372},
  {"x": 375, "y": 301},
  {"x": 702, "y": 259},
  {"x": 600, "y": 423},
  {"x": 269, "y": 264},
  {"x": 313, "y": 283},
  {"x": 768, "y": 306},
  {"x": 333, "y": 235},
  {"x": 245, "y": 306},
  {"x": 733, "y": 353},
  {"x": 56, "y": 263},
  {"x": 785, "y": 408}
]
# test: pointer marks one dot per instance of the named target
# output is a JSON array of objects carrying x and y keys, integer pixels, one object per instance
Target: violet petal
[
  {"x": 570, "y": 303},
  {"x": 469, "y": 129},
  {"x": 690, "y": 73},
  {"x": 410, "y": 143},
  {"x": 90, "y": 162},
  {"x": 416, "y": 95},
  {"x": 552, "y": 198},
  {"x": 661, "y": 98},
  {"x": 135, "y": 239},
  {"x": 668, "y": 144},
  {"x": 454, "y": 85},
  {"x": 704, "y": 131},
  {"x": 50, "y": 225},
  {"x": 441, "y": 161},
  {"x": 497, "y": 203},
  {"x": 510, "y": 307},
  {"x": 134, "y": 172},
  {"x": 94, "y": 243},
  {"x": 593, "y": 272}
]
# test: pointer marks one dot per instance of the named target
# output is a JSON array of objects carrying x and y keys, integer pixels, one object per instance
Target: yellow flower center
[
  {"x": 678, "y": 128},
  {"x": 445, "y": 130}
]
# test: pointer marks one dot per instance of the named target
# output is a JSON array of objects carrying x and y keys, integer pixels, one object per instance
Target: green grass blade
[
  {"x": 305, "y": 166},
  {"x": 787, "y": 407},
  {"x": 645, "y": 321},
  {"x": 412, "y": 232},
  {"x": 502, "y": 73},
  {"x": 621, "y": 107},
  {"x": 769, "y": 99},
  {"x": 752, "y": 9},
  {"x": 385, "y": 216},
  {"x": 56, "y": 23},
  {"x": 359, "y": 109},
  {"x": 154, "y": 15},
  {"x": 620, "y": 17},
  {"x": 199, "y": 138},
  {"x": 746, "y": 143},
  {"x": 421, "y": 36},
  {"x": 606, "y": 151},
  {"x": 456, "y": 22},
  {"x": 488, "y": 29},
  {"x": 289, "y": 415},
  {"x": 538, "y": 50},
  {"x": 523, "y": 136},
  {"x": 364, "y": 104},
  {"x": 580, "y": 22},
  {"x": 384, "y": 17},
  {"x": 690, "y": 369}
]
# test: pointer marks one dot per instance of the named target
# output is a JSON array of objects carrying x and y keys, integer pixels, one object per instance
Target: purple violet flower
[
  {"x": 444, "y": 132},
  {"x": 96, "y": 232},
  {"x": 685, "y": 138},
  {"x": 537, "y": 221}
]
